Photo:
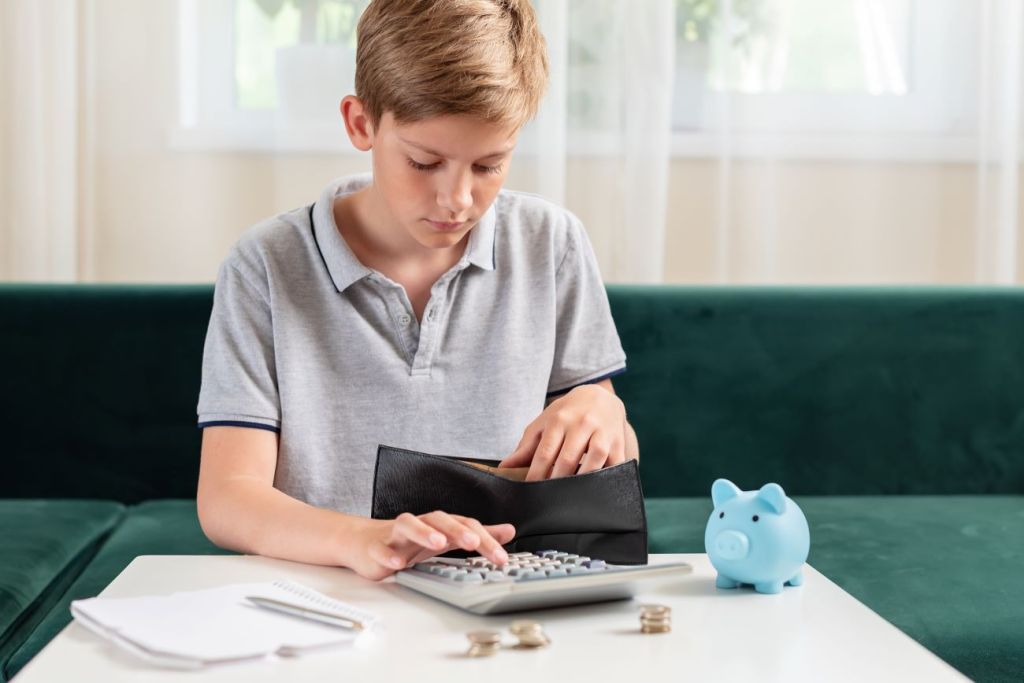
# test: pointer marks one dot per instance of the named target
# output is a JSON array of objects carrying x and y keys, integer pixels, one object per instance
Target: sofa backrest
[{"x": 826, "y": 391}]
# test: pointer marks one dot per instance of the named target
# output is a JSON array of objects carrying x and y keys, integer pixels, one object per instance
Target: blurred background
[{"x": 701, "y": 141}]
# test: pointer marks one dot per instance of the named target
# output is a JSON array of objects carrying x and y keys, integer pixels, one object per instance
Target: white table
[{"x": 811, "y": 633}]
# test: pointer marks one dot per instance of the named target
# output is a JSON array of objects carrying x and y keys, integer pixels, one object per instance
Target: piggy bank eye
[
  {"x": 756, "y": 518},
  {"x": 721, "y": 514}
]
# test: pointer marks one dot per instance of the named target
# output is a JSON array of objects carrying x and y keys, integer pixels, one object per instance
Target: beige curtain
[{"x": 43, "y": 96}]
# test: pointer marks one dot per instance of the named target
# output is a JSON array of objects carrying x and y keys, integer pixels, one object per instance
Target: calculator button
[
  {"x": 469, "y": 577},
  {"x": 547, "y": 553},
  {"x": 531, "y": 576},
  {"x": 453, "y": 561},
  {"x": 496, "y": 576},
  {"x": 557, "y": 572},
  {"x": 594, "y": 564}
]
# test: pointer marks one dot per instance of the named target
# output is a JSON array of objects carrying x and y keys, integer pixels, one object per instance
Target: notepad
[{"x": 197, "y": 629}]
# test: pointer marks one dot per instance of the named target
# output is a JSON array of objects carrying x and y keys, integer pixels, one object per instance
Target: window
[
  {"x": 846, "y": 76},
  {"x": 824, "y": 75},
  {"x": 272, "y": 73}
]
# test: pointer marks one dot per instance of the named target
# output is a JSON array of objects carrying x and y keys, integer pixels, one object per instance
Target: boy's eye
[
  {"x": 424, "y": 167},
  {"x": 430, "y": 167}
]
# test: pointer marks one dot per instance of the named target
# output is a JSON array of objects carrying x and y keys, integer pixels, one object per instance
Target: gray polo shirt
[{"x": 308, "y": 342}]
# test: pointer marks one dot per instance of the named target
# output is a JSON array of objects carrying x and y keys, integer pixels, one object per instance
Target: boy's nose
[{"x": 456, "y": 195}]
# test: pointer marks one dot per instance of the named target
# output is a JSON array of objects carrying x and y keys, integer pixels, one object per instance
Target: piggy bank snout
[{"x": 732, "y": 545}]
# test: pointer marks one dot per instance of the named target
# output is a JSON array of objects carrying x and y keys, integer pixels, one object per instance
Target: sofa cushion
[
  {"x": 166, "y": 527},
  {"x": 946, "y": 570},
  {"x": 44, "y": 545}
]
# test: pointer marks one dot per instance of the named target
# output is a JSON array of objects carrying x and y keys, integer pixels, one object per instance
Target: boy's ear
[{"x": 357, "y": 122}]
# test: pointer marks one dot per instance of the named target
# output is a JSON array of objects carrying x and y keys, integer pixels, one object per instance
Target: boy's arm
[{"x": 240, "y": 509}]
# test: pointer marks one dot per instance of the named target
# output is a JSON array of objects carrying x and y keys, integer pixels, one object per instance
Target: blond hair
[{"x": 424, "y": 58}]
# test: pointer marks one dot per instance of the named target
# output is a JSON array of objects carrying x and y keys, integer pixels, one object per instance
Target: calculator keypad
[{"x": 523, "y": 566}]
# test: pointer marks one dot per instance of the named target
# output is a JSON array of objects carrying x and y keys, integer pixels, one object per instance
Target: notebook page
[{"x": 218, "y": 623}]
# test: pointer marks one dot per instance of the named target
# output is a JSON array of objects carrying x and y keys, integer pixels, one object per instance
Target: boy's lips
[{"x": 444, "y": 225}]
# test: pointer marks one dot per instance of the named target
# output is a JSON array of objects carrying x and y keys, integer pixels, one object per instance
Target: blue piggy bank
[{"x": 756, "y": 537}]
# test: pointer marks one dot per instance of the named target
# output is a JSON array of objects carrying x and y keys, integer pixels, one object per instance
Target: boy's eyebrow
[{"x": 420, "y": 147}]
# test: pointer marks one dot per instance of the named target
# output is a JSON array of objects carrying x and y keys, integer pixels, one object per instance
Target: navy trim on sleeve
[
  {"x": 613, "y": 373},
  {"x": 230, "y": 423}
]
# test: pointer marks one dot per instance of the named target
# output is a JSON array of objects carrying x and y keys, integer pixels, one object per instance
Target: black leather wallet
[{"x": 599, "y": 514}]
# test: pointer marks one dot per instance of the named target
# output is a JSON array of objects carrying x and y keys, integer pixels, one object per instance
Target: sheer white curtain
[
  {"x": 608, "y": 107},
  {"x": 40, "y": 143},
  {"x": 700, "y": 141},
  {"x": 788, "y": 141},
  {"x": 1000, "y": 218}
]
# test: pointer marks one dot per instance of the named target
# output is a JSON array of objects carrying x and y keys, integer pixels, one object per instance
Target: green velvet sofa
[{"x": 895, "y": 417}]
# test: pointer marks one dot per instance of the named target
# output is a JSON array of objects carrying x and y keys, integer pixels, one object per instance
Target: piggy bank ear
[
  {"x": 774, "y": 496},
  {"x": 723, "y": 490}
]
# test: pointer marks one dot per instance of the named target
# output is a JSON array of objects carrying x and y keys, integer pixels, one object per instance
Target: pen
[{"x": 307, "y": 613}]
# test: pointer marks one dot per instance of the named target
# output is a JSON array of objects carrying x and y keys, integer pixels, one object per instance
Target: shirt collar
[{"x": 342, "y": 264}]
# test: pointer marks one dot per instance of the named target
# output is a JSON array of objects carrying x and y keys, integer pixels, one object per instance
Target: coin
[
  {"x": 483, "y": 643},
  {"x": 530, "y": 634},
  {"x": 655, "y": 619},
  {"x": 655, "y": 610}
]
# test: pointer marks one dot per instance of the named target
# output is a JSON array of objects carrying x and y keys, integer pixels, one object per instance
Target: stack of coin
[
  {"x": 529, "y": 633},
  {"x": 483, "y": 643},
  {"x": 655, "y": 619}
]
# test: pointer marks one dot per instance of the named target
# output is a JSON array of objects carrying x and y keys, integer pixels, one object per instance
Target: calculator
[{"x": 548, "y": 578}]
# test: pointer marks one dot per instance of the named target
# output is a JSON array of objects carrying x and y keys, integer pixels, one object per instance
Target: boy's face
[{"x": 437, "y": 177}]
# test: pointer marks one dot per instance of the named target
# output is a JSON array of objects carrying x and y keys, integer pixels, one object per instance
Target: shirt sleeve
[
  {"x": 587, "y": 346},
  {"x": 239, "y": 379}
]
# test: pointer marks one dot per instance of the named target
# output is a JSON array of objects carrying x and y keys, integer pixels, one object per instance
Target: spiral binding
[{"x": 315, "y": 598}]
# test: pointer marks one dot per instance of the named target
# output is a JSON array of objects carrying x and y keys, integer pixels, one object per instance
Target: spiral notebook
[{"x": 198, "y": 629}]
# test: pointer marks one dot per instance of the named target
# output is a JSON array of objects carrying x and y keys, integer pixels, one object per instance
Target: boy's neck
[{"x": 376, "y": 239}]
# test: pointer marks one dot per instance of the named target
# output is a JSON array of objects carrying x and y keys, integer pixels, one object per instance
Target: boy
[{"x": 421, "y": 308}]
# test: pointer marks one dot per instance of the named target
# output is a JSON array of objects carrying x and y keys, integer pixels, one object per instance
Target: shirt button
[
  {"x": 430, "y": 314},
  {"x": 404, "y": 319}
]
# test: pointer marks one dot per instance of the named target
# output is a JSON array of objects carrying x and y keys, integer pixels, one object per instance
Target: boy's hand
[
  {"x": 585, "y": 429},
  {"x": 387, "y": 546}
]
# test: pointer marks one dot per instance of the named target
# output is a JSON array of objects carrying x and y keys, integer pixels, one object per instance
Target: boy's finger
[
  {"x": 572, "y": 450},
  {"x": 547, "y": 450},
  {"x": 523, "y": 453},
  {"x": 416, "y": 530},
  {"x": 459, "y": 534},
  {"x": 593, "y": 460},
  {"x": 489, "y": 547},
  {"x": 502, "y": 533},
  {"x": 599, "y": 450}
]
